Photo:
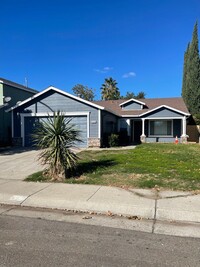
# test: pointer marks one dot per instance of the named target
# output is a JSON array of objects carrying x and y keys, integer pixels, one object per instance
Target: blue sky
[{"x": 139, "y": 43}]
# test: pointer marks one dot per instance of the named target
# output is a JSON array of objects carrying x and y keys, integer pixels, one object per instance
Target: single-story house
[
  {"x": 147, "y": 120},
  {"x": 10, "y": 94}
]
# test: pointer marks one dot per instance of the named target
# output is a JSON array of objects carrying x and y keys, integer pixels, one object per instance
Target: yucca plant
[{"x": 55, "y": 137}]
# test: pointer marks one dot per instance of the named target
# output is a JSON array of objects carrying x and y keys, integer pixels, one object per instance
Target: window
[{"x": 161, "y": 127}]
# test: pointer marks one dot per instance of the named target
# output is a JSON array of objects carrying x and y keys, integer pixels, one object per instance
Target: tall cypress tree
[
  {"x": 185, "y": 75},
  {"x": 191, "y": 75}
]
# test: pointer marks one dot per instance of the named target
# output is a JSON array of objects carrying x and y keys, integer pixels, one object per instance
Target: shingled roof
[{"x": 113, "y": 106}]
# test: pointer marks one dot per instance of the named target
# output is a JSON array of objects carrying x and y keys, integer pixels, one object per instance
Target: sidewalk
[{"x": 169, "y": 212}]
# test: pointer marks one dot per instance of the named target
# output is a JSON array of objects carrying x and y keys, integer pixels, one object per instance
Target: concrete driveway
[{"x": 18, "y": 163}]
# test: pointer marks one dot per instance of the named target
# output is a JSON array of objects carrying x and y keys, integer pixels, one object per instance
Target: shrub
[{"x": 113, "y": 140}]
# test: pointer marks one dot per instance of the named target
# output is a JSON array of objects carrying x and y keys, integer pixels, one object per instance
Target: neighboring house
[
  {"x": 10, "y": 94},
  {"x": 148, "y": 120}
]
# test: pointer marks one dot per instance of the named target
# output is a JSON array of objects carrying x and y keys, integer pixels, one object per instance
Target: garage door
[{"x": 30, "y": 124}]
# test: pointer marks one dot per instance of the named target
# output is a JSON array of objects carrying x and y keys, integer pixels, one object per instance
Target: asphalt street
[
  {"x": 37, "y": 242},
  {"x": 162, "y": 212}
]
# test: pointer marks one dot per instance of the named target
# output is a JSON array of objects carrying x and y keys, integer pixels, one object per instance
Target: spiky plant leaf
[{"x": 55, "y": 137}]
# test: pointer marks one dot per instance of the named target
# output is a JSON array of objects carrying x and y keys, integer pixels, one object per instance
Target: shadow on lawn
[{"x": 92, "y": 166}]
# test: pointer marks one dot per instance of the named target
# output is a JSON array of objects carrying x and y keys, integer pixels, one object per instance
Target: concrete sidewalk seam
[
  {"x": 94, "y": 193},
  {"x": 35, "y": 193},
  {"x": 154, "y": 219}
]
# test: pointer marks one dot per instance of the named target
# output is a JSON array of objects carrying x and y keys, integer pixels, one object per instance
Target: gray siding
[
  {"x": 16, "y": 95},
  {"x": 53, "y": 101},
  {"x": 163, "y": 113},
  {"x": 132, "y": 106},
  {"x": 159, "y": 139}
]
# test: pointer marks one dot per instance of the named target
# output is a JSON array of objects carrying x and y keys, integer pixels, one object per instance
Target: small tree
[
  {"x": 55, "y": 136},
  {"x": 83, "y": 92}
]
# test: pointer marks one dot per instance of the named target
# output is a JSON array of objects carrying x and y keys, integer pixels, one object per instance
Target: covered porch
[{"x": 142, "y": 130}]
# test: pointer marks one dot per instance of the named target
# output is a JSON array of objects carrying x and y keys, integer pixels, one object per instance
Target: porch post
[
  {"x": 128, "y": 121},
  {"x": 143, "y": 136},
  {"x": 184, "y": 136}
]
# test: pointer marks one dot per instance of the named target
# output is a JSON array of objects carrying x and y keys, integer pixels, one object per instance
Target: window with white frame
[{"x": 160, "y": 127}]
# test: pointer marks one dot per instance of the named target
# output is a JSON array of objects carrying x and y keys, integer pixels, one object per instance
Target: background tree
[
  {"x": 109, "y": 90},
  {"x": 191, "y": 75},
  {"x": 84, "y": 92},
  {"x": 129, "y": 95},
  {"x": 185, "y": 74},
  {"x": 55, "y": 136},
  {"x": 140, "y": 95}
]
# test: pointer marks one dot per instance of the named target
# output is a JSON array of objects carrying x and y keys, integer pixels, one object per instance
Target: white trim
[
  {"x": 58, "y": 91},
  {"x": 133, "y": 100},
  {"x": 143, "y": 127},
  {"x": 88, "y": 125},
  {"x": 184, "y": 125},
  {"x": 151, "y": 118},
  {"x": 164, "y": 118},
  {"x": 51, "y": 114},
  {"x": 99, "y": 124},
  {"x": 128, "y": 121},
  {"x": 165, "y": 106},
  {"x": 172, "y": 128},
  {"x": 70, "y": 114},
  {"x": 129, "y": 116}
]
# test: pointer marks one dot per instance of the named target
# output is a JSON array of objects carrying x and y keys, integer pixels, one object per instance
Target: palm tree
[
  {"x": 55, "y": 136},
  {"x": 109, "y": 90}
]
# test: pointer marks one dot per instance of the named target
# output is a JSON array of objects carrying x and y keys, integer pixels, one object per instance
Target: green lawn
[{"x": 165, "y": 165}]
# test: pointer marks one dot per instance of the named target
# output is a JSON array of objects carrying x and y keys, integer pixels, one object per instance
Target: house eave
[
  {"x": 19, "y": 86},
  {"x": 168, "y": 107},
  {"x": 130, "y": 116},
  {"x": 134, "y": 100},
  {"x": 58, "y": 91}
]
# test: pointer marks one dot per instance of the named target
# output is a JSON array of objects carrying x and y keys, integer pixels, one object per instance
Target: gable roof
[
  {"x": 60, "y": 92},
  {"x": 176, "y": 104},
  {"x": 17, "y": 85},
  {"x": 132, "y": 100}
]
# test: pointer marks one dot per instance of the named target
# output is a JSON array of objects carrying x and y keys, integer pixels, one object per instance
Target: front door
[{"x": 136, "y": 130}]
